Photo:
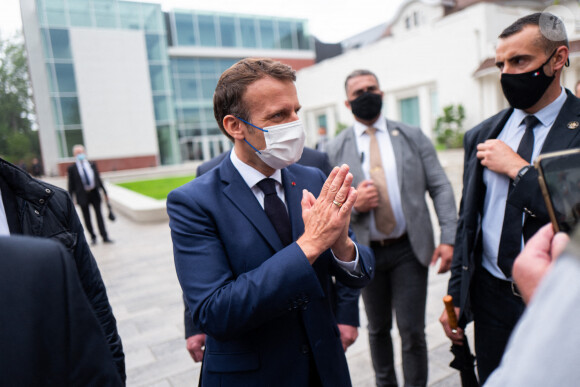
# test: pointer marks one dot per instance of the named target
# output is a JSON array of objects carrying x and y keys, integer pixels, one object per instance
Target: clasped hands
[{"x": 326, "y": 218}]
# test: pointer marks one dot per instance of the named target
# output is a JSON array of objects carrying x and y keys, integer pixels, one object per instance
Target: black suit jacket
[
  {"x": 75, "y": 184},
  {"x": 344, "y": 299},
  {"x": 526, "y": 195},
  {"x": 49, "y": 335}
]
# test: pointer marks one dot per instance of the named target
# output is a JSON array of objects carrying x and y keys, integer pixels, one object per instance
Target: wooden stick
[{"x": 450, "y": 308}]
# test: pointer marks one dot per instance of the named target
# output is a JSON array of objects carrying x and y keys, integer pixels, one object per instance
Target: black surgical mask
[
  {"x": 524, "y": 90},
  {"x": 367, "y": 106}
]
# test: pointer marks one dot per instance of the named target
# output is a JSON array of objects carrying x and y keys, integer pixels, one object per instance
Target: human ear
[{"x": 234, "y": 127}]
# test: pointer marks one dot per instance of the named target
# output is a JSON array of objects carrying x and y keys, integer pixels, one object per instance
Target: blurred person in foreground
[
  {"x": 254, "y": 247},
  {"x": 502, "y": 204},
  {"x": 545, "y": 345},
  {"x": 49, "y": 334},
  {"x": 33, "y": 207}
]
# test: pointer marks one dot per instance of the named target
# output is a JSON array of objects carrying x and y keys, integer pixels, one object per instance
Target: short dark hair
[
  {"x": 548, "y": 43},
  {"x": 358, "y": 73},
  {"x": 232, "y": 85}
]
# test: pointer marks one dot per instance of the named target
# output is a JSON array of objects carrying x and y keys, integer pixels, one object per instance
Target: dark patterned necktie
[
  {"x": 276, "y": 210},
  {"x": 511, "y": 233}
]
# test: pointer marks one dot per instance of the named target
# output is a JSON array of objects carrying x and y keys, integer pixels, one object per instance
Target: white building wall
[
  {"x": 441, "y": 55},
  {"x": 113, "y": 85}
]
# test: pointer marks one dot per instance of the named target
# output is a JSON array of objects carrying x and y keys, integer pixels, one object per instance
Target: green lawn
[{"x": 157, "y": 188}]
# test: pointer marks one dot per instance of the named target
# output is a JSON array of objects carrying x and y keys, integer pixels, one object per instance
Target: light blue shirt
[
  {"x": 252, "y": 177},
  {"x": 363, "y": 142},
  {"x": 497, "y": 184}
]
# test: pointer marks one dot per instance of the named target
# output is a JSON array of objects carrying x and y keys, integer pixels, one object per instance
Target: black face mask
[
  {"x": 524, "y": 90},
  {"x": 367, "y": 106}
]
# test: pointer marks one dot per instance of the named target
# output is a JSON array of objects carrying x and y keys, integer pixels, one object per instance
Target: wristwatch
[{"x": 520, "y": 174}]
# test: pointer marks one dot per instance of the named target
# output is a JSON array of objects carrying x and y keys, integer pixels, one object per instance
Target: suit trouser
[
  {"x": 400, "y": 283},
  {"x": 496, "y": 310},
  {"x": 94, "y": 199}
]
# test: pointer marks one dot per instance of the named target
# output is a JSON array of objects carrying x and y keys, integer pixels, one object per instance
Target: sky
[{"x": 329, "y": 20}]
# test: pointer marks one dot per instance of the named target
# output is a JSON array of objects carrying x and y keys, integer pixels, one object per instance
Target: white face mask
[{"x": 284, "y": 144}]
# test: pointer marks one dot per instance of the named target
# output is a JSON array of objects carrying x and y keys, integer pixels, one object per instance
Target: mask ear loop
[{"x": 263, "y": 130}]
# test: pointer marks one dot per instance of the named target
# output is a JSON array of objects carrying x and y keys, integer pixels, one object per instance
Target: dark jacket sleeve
[{"x": 90, "y": 277}]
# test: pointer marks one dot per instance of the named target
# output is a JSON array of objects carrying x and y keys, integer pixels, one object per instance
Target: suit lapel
[
  {"x": 560, "y": 135},
  {"x": 242, "y": 197},
  {"x": 397, "y": 144},
  {"x": 351, "y": 157}
]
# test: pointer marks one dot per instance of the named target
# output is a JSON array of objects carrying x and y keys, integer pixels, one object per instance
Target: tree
[
  {"x": 449, "y": 127},
  {"x": 18, "y": 140}
]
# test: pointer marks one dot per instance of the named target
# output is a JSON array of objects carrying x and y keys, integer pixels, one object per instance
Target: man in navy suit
[
  {"x": 502, "y": 205},
  {"x": 344, "y": 300},
  {"x": 254, "y": 247}
]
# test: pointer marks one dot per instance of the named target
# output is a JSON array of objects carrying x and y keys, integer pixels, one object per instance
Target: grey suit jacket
[{"x": 418, "y": 171}]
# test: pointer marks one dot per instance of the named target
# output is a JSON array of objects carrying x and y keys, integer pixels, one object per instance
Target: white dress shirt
[
  {"x": 252, "y": 177},
  {"x": 497, "y": 184},
  {"x": 389, "y": 166}
]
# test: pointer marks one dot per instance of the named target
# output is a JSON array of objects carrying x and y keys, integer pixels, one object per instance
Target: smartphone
[{"x": 559, "y": 178}]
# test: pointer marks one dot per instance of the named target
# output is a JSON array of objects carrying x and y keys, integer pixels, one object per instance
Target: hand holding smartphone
[{"x": 559, "y": 178}]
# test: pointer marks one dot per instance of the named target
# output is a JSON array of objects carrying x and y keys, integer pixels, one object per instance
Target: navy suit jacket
[
  {"x": 526, "y": 195},
  {"x": 344, "y": 300},
  {"x": 262, "y": 305}
]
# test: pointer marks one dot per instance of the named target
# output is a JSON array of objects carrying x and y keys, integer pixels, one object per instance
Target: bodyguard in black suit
[
  {"x": 502, "y": 205},
  {"x": 49, "y": 334},
  {"x": 84, "y": 182},
  {"x": 343, "y": 299}
]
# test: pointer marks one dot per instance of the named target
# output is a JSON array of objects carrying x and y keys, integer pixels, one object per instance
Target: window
[
  {"x": 206, "y": 25},
  {"x": 65, "y": 77},
  {"x": 157, "y": 78},
  {"x": 55, "y": 15},
  {"x": 70, "y": 111},
  {"x": 188, "y": 89},
  {"x": 130, "y": 15},
  {"x": 161, "y": 107},
  {"x": 410, "y": 111},
  {"x": 267, "y": 34},
  {"x": 285, "y": 32},
  {"x": 79, "y": 13},
  {"x": 228, "y": 31},
  {"x": 303, "y": 41},
  {"x": 154, "y": 47},
  {"x": 248, "y": 29},
  {"x": 152, "y": 18},
  {"x": 184, "y": 29},
  {"x": 105, "y": 13},
  {"x": 60, "y": 44},
  {"x": 72, "y": 137}
]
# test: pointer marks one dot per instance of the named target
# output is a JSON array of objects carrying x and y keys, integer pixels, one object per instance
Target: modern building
[
  {"x": 432, "y": 54},
  {"x": 135, "y": 84}
]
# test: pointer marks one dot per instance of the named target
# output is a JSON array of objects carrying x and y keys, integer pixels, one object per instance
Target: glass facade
[
  {"x": 56, "y": 17},
  {"x": 182, "y": 87},
  {"x": 194, "y": 81},
  {"x": 203, "y": 29}
]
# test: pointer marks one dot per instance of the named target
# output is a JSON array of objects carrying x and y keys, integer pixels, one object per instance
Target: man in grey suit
[{"x": 393, "y": 165}]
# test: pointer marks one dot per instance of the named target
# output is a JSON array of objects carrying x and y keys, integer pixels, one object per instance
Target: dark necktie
[
  {"x": 85, "y": 175},
  {"x": 276, "y": 210},
  {"x": 510, "y": 242}
]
